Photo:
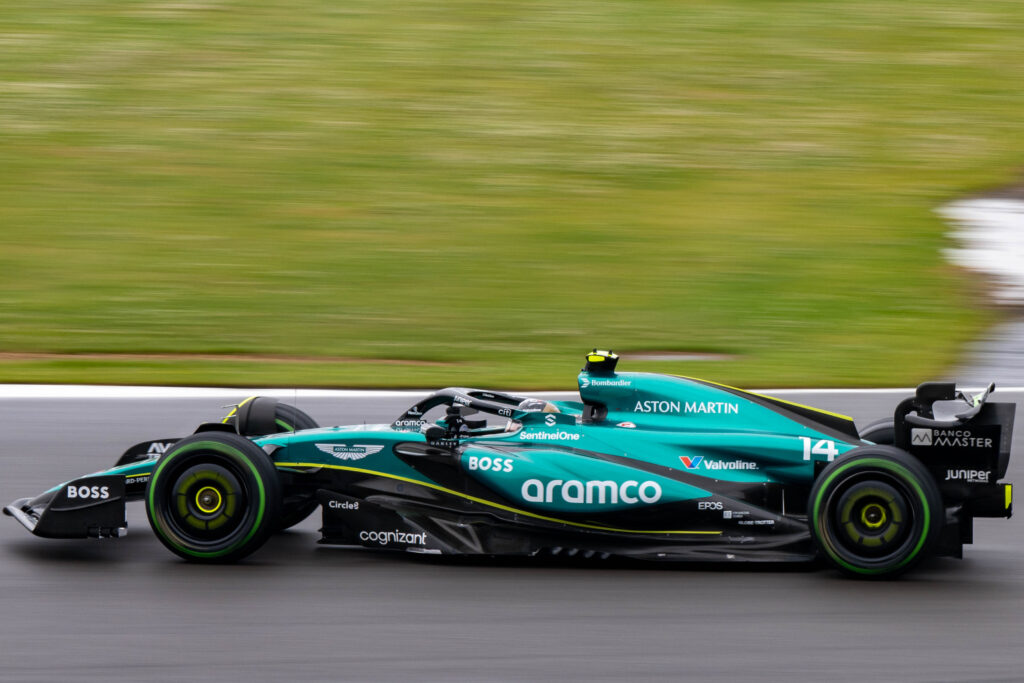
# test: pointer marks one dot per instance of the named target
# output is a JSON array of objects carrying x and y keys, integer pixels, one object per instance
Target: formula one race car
[{"x": 645, "y": 466}]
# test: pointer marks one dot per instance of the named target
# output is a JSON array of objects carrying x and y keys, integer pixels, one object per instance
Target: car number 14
[{"x": 822, "y": 447}]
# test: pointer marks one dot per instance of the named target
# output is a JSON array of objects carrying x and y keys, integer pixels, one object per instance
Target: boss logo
[
  {"x": 89, "y": 492},
  {"x": 491, "y": 464}
]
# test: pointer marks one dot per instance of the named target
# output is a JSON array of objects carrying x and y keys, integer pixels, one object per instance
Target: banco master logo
[
  {"x": 948, "y": 438},
  {"x": 921, "y": 437},
  {"x": 345, "y": 452}
]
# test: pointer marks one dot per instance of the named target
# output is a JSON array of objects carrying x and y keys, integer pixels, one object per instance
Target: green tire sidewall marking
[
  {"x": 223, "y": 449},
  {"x": 883, "y": 464},
  {"x": 287, "y": 427}
]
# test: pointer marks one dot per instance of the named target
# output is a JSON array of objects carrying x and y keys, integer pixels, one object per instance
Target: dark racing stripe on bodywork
[{"x": 837, "y": 426}]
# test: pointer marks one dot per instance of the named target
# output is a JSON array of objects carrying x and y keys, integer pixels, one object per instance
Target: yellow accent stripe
[
  {"x": 801, "y": 405},
  {"x": 1009, "y": 495},
  {"x": 141, "y": 474},
  {"x": 773, "y": 398},
  {"x": 235, "y": 410},
  {"x": 487, "y": 502}
]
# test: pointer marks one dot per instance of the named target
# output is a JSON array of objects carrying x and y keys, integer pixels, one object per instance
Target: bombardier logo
[
  {"x": 595, "y": 382},
  {"x": 345, "y": 452}
]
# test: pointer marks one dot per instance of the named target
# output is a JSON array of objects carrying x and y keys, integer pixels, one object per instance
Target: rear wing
[
  {"x": 964, "y": 441},
  {"x": 944, "y": 426}
]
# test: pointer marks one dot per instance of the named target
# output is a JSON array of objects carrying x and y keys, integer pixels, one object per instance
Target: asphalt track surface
[{"x": 127, "y": 609}]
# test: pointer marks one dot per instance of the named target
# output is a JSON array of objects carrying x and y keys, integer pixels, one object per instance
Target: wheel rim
[
  {"x": 208, "y": 505},
  {"x": 870, "y": 520}
]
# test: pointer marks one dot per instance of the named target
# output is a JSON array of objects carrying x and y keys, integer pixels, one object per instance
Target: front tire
[
  {"x": 259, "y": 416},
  {"x": 875, "y": 513},
  {"x": 213, "y": 497}
]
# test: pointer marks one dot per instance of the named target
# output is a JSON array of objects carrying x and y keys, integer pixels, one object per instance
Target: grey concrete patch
[
  {"x": 999, "y": 358},
  {"x": 990, "y": 231}
]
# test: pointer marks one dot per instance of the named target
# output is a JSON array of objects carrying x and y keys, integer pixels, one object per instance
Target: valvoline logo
[{"x": 691, "y": 463}]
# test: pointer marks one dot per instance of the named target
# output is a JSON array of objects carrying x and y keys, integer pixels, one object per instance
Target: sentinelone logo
[
  {"x": 561, "y": 435},
  {"x": 949, "y": 438}
]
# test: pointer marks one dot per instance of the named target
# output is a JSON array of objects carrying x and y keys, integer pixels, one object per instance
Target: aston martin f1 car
[{"x": 644, "y": 466}]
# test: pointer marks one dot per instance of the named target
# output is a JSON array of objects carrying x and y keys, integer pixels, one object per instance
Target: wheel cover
[
  {"x": 874, "y": 520},
  {"x": 215, "y": 503},
  {"x": 207, "y": 501}
]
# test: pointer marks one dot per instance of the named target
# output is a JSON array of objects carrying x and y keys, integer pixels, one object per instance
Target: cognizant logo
[
  {"x": 588, "y": 492},
  {"x": 396, "y": 536}
]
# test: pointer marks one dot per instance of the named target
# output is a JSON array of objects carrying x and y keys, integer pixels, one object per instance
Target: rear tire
[
  {"x": 875, "y": 512},
  {"x": 294, "y": 511},
  {"x": 286, "y": 418},
  {"x": 881, "y": 432},
  {"x": 213, "y": 497}
]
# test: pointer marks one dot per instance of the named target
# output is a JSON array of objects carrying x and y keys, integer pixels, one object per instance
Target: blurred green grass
[{"x": 495, "y": 187}]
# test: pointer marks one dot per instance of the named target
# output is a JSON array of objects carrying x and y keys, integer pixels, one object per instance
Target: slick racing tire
[
  {"x": 293, "y": 513},
  {"x": 881, "y": 432},
  {"x": 875, "y": 512},
  {"x": 294, "y": 510},
  {"x": 260, "y": 415},
  {"x": 213, "y": 497}
]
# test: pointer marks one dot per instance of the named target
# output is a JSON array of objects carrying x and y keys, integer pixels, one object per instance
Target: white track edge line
[{"x": 82, "y": 391}]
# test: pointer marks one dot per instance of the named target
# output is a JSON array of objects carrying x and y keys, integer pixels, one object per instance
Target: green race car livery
[{"x": 643, "y": 466}]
